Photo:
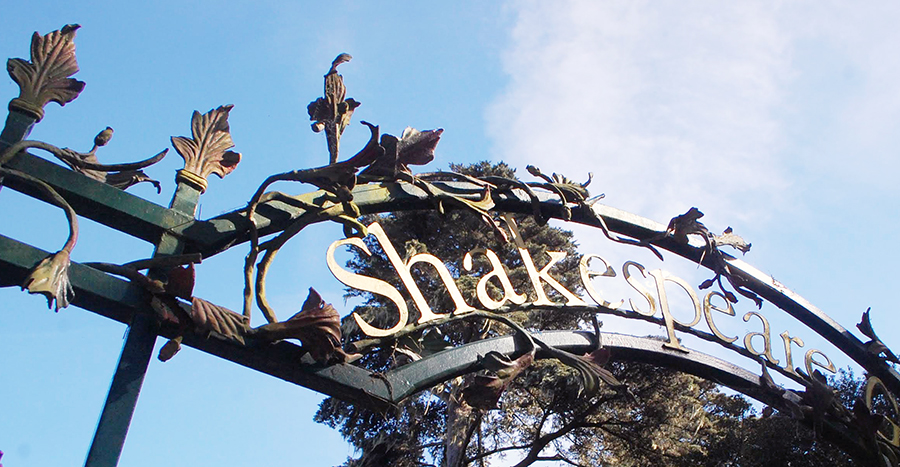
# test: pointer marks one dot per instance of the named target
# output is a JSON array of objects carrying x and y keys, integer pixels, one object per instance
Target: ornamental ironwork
[{"x": 154, "y": 296}]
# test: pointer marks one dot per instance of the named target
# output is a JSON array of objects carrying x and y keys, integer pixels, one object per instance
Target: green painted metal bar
[
  {"x": 18, "y": 127},
  {"x": 120, "y": 300},
  {"x": 98, "y": 201},
  {"x": 96, "y": 291},
  {"x": 435, "y": 369},
  {"x": 109, "y": 438}
]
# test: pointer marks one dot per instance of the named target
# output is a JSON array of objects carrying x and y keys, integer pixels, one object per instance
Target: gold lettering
[
  {"x": 403, "y": 269},
  {"x": 767, "y": 338},
  {"x": 499, "y": 271},
  {"x": 587, "y": 275},
  {"x": 811, "y": 362},
  {"x": 708, "y": 308},
  {"x": 369, "y": 284},
  {"x": 544, "y": 274},
  {"x": 872, "y": 384},
  {"x": 789, "y": 362},
  {"x": 661, "y": 277},
  {"x": 640, "y": 288}
]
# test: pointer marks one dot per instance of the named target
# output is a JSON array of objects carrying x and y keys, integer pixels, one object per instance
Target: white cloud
[
  {"x": 752, "y": 112},
  {"x": 670, "y": 105},
  {"x": 730, "y": 107}
]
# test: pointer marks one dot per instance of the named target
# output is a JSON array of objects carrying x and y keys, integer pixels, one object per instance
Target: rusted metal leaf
[
  {"x": 47, "y": 76},
  {"x": 210, "y": 317},
  {"x": 181, "y": 281},
  {"x": 170, "y": 349},
  {"x": 417, "y": 147},
  {"x": 317, "y": 325},
  {"x": 875, "y": 346},
  {"x": 51, "y": 279},
  {"x": 206, "y": 152},
  {"x": 412, "y": 148},
  {"x": 485, "y": 389},
  {"x": 332, "y": 112},
  {"x": 732, "y": 240}
]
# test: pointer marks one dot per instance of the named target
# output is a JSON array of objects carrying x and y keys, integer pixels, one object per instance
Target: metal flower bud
[
  {"x": 51, "y": 278},
  {"x": 103, "y": 137}
]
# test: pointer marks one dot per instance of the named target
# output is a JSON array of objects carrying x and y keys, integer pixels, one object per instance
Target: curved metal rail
[
  {"x": 150, "y": 221},
  {"x": 121, "y": 300},
  {"x": 212, "y": 235}
]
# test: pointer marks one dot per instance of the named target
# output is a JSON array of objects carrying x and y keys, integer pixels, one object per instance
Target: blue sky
[{"x": 778, "y": 119}]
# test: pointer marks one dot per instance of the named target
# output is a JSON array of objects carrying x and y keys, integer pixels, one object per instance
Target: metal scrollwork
[
  {"x": 120, "y": 176},
  {"x": 167, "y": 287},
  {"x": 688, "y": 224}
]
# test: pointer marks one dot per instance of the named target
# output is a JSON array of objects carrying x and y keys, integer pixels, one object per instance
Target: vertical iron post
[
  {"x": 109, "y": 438},
  {"x": 112, "y": 428}
]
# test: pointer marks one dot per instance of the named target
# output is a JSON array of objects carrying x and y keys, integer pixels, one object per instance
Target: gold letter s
[{"x": 369, "y": 284}]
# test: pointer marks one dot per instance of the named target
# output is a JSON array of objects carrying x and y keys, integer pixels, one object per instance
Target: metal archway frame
[
  {"x": 175, "y": 231},
  {"x": 150, "y": 221}
]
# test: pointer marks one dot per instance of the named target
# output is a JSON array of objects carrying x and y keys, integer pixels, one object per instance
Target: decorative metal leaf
[
  {"x": 412, "y": 148},
  {"x": 485, "y": 389},
  {"x": 819, "y": 396},
  {"x": 206, "y": 152},
  {"x": 317, "y": 325},
  {"x": 865, "y": 326},
  {"x": 46, "y": 77},
  {"x": 681, "y": 226},
  {"x": 598, "y": 358},
  {"x": 332, "y": 112},
  {"x": 592, "y": 373},
  {"x": 688, "y": 224},
  {"x": 126, "y": 179},
  {"x": 170, "y": 349},
  {"x": 569, "y": 190},
  {"x": 210, "y": 317},
  {"x": 735, "y": 241},
  {"x": 875, "y": 346},
  {"x": 433, "y": 342},
  {"x": 51, "y": 278},
  {"x": 181, "y": 281},
  {"x": 121, "y": 180},
  {"x": 168, "y": 310},
  {"x": 417, "y": 147}
]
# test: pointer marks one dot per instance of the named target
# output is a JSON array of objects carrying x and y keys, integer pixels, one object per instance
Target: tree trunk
[{"x": 462, "y": 420}]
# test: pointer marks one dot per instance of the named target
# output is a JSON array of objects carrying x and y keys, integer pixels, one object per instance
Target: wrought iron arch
[{"x": 376, "y": 180}]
